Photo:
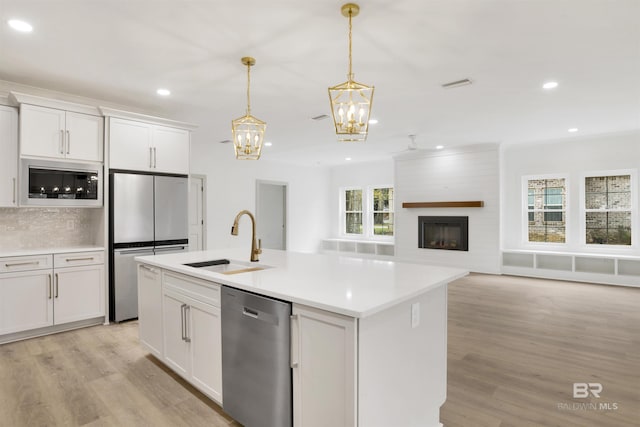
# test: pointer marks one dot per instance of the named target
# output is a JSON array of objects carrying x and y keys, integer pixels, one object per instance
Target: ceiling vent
[
  {"x": 457, "y": 83},
  {"x": 320, "y": 117}
]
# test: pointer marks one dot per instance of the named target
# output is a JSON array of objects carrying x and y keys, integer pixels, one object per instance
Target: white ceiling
[{"x": 122, "y": 50}]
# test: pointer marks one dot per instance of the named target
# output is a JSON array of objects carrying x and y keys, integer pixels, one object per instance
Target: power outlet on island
[
  {"x": 415, "y": 314},
  {"x": 70, "y": 225}
]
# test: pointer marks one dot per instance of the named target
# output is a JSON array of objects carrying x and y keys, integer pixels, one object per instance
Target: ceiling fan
[{"x": 411, "y": 146}]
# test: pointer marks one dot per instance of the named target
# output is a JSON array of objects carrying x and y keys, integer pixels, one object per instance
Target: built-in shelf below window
[
  {"x": 461, "y": 204},
  {"x": 595, "y": 268},
  {"x": 366, "y": 248}
]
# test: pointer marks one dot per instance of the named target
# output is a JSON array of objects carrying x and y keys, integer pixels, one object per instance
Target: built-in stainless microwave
[{"x": 53, "y": 183}]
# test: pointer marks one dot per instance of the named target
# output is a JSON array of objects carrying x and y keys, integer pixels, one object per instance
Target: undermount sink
[{"x": 225, "y": 266}]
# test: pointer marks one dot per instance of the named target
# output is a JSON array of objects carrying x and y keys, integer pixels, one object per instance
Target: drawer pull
[
  {"x": 149, "y": 269},
  {"x": 79, "y": 259},
  {"x": 16, "y": 264}
]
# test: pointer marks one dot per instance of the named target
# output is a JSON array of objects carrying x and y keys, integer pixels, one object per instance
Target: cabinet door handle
[
  {"x": 155, "y": 157},
  {"x": 57, "y": 284},
  {"x": 50, "y": 286},
  {"x": 187, "y": 331},
  {"x": 16, "y": 264},
  {"x": 79, "y": 259},
  {"x": 182, "y": 316},
  {"x": 150, "y": 157},
  {"x": 61, "y": 142},
  {"x": 295, "y": 341},
  {"x": 68, "y": 141},
  {"x": 14, "y": 191}
]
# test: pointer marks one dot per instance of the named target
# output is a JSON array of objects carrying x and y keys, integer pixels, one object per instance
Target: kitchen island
[{"x": 368, "y": 337}]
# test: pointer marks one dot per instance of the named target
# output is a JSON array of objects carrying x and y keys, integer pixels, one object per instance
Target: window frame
[
  {"x": 635, "y": 224},
  {"x": 370, "y": 214},
  {"x": 343, "y": 212},
  {"x": 367, "y": 214},
  {"x": 525, "y": 210}
]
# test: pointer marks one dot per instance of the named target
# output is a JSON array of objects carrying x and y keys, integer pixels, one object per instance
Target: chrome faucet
[{"x": 255, "y": 244}]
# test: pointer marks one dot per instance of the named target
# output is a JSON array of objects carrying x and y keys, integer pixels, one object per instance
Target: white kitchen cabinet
[
  {"x": 324, "y": 356},
  {"x": 9, "y": 157},
  {"x": 150, "y": 308},
  {"x": 58, "y": 134},
  {"x": 135, "y": 145},
  {"x": 35, "y": 293},
  {"x": 78, "y": 293},
  {"x": 26, "y": 300},
  {"x": 176, "y": 346},
  {"x": 171, "y": 149},
  {"x": 191, "y": 330}
]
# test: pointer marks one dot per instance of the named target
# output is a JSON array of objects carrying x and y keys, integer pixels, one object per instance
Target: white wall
[
  {"x": 355, "y": 175},
  {"x": 572, "y": 158},
  {"x": 231, "y": 187},
  {"x": 461, "y": 174}
]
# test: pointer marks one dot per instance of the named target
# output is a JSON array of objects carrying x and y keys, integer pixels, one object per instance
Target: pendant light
[
  {"x": 351, "y": 101},
  {"x": 248, "y": 131}
]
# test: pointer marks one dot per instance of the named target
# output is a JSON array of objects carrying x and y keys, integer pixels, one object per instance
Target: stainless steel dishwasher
[{"x": 256, "y": 370}]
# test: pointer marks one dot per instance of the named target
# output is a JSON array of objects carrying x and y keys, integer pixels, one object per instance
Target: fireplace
[{"x": 443, "y": 232}]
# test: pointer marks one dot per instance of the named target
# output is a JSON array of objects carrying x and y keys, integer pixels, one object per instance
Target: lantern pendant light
[
  {"x": 248, "y": 131},
  {"x": 351, "y": 101}
]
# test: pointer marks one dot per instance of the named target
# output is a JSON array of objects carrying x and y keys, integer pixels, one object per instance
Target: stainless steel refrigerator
[{"x": 148, "y": 215}]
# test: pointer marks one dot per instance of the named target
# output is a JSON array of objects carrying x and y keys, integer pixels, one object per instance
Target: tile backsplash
[{"x": 39, "y": 228}]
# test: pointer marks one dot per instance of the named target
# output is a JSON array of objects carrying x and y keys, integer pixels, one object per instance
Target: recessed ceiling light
[
  {"x": 268, "y": 144},
  {"x": 550, "y": 85},
  {"x": 572, "y": 130},
  {"x": 373, "y": 121},
  {"x": 22, "y": 26},
  {"x": 347, "y": 158},
  {"x": 163, "y": 92},
  {"x": 439, "y": 147}
]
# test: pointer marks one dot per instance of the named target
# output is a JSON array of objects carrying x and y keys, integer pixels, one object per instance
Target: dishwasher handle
[{"x": 249, "y": 312}]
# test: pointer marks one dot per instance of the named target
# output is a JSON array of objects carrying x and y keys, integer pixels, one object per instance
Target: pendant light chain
[
  {"x": 248, "y": 89},
  {"x": 350, "y": 76}
]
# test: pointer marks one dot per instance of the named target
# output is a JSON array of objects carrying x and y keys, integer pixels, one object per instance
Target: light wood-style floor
[{"x": 516, "y": 346}]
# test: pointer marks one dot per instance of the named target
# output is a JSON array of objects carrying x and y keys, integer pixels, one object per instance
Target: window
[
  {"x": 608, "y": 210},
  {"x": 382, "y": 211},
  {"x": 368, "y": 212},
  {"x": 546, "y": 210},
  {"x": 353, "y": 211}
]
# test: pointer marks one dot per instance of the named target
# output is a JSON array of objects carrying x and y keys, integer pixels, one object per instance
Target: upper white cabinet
[
  {"x": 9, "y": 157},
  {"x": 59, "y": 134},
  {"x": 136, "y": 145}
]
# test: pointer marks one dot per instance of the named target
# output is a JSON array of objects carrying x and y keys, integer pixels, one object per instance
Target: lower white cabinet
[
  {"x": 324, "y": 357},
  {"x": 78, "y": 293},
  {"x": 150, "y": 308},
  {"x": 191, "y": 330},
  {"x": 26, "y": 301},
  {"x": 35, "y": 294}
]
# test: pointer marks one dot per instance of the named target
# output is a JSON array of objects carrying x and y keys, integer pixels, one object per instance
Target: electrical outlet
[
  {"x": 415, "y": 314},
  {"x": 70, "y": 224}
]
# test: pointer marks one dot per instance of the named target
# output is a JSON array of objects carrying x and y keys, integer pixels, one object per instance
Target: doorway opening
[{"x": 271, "y": 213}]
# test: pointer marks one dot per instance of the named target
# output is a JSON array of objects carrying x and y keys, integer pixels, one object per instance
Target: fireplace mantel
[{"x": 462, "y": 204}]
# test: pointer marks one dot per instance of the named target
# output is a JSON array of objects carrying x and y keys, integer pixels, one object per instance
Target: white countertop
[
  {"x": 47, "y": 251},
  {"x": 351, "y": 286}
]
